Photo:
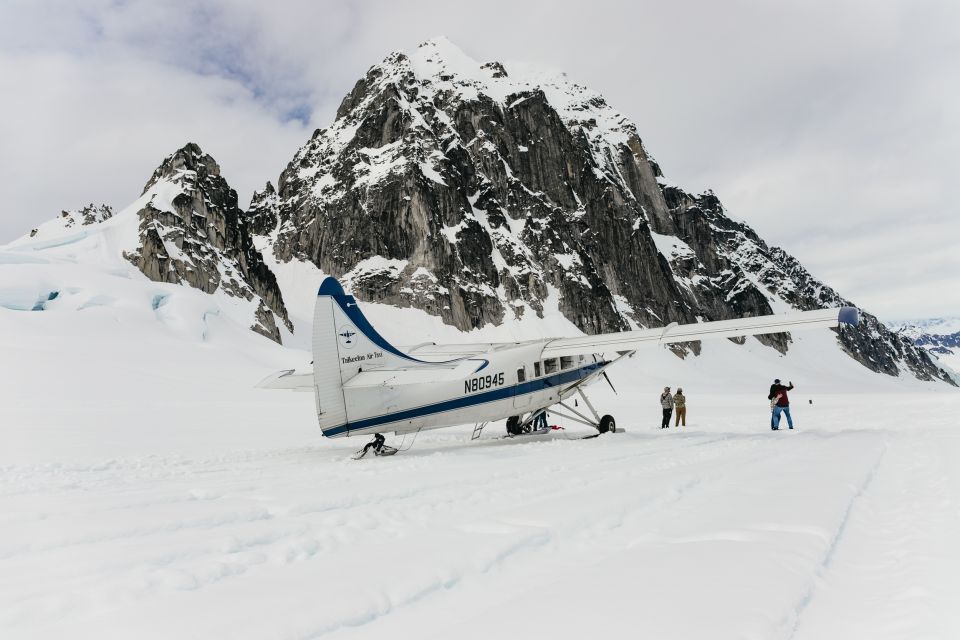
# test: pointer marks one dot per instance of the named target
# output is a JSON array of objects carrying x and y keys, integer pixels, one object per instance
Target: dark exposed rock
[
  {"x": 723, "y": 242},
  {"x": 490, "y": 206},
  {"x": 495, "y": 68},
  {"x": 944, "y": 344},
  {"x": 192, "y": 232},
  {"x": 262, "y": 212},
  {"x": 480, "y": 196}
]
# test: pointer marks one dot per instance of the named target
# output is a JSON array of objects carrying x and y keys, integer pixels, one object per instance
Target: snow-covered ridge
[
  {"x": 112, "y": 233},
  {"x": 185, "y": 228},
  {"x": 930, "y": 326},
  {"x": 72, "y": 220},
  {"x": 448, "y": 69},
  {"x": 440, "y": 70}
]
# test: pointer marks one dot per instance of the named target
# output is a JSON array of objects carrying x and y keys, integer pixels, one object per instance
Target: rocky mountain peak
[
  {"x": 188, "y": 165},
  {"x": 499, "y": 185},
  {"x": 192, "y": 232},
  {"x": 262, "y": 212},
  {"x": 482, "y": 196}
]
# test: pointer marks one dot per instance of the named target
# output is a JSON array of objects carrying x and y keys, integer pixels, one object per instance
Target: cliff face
[
  {"x": 479, "y": 196},
  {"x": 721, "y": 241},
  {"x": 481, "y": 193},
  {"x": 192, "y": 232}
]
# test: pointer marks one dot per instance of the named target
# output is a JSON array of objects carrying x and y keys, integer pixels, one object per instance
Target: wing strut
[{"x": 607, "y": 378}]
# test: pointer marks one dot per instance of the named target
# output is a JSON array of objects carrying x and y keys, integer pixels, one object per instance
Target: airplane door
[{"x": 521, "y": 393}]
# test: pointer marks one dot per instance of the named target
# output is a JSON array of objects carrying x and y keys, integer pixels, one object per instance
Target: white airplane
[{"x": 363, "y": 385}]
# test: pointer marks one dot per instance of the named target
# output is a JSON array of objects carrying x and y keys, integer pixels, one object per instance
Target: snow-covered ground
[{"x": 148, "y": 491}]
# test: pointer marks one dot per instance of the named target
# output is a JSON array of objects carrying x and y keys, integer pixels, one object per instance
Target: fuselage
[
  {"x": 511, "y": 380},
  {"x": 362, "y": 384}
]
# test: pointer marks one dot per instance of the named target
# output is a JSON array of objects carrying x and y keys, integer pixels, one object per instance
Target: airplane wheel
[
  {"x": 513, "y": 425},
  {"x": 607, "y": 423}
]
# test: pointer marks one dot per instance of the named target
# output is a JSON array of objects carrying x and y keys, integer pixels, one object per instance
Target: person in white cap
[{"x": 666, "y": 403}]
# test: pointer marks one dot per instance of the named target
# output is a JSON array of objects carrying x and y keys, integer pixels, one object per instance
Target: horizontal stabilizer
[{"x": 287, "y": 379}]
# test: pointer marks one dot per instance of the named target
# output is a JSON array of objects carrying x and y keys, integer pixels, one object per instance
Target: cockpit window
[
  {"x": 566, "y": 362},
  {"x": 550, "y": 366}
]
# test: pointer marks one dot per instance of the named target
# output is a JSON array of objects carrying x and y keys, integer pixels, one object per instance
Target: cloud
[
  {"x": 82, "y": 130},
  {"x": 831, "y": 127}
]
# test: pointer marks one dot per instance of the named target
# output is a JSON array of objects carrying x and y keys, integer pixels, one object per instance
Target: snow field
[
  {"x": 148, "y": 490},
  {"x": 726, "y": 532}
]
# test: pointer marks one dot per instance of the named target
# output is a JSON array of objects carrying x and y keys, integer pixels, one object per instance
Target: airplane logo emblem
[{"x": 346, "y": 335}]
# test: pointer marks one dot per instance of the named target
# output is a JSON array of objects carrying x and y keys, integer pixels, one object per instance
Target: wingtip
[{"x": 849, "y": 315}]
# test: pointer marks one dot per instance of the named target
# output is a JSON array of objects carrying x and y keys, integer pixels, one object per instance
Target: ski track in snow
[
  {"x": 327, "y": 547},
  {"x": 901, "y": 531},
  {"x": 834, "y": 543}
]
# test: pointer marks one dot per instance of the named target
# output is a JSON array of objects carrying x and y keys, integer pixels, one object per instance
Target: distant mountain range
[
  {"x": 938, "y": 336},
  {"x": 479, "y": 193}
]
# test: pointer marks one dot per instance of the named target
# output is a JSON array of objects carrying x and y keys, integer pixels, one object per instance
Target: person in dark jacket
[
  {"x": 779, "y": 403},
  {"x": 666, "y": 403}
]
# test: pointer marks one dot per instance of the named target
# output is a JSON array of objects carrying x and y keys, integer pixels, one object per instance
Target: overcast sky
[{"x": 832, "y": 127}]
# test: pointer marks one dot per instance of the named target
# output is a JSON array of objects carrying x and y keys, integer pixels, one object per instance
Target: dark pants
[
  {"x": 666, "y": 418},
  {"x": 376, "y": 444},
  {"x": 540, "y": 422}
]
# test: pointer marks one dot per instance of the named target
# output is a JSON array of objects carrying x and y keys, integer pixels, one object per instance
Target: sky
[{"x": 831, "y": 127}]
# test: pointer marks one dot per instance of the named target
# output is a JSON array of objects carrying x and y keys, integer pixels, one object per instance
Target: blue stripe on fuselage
[{"x": 471, "y": 400}]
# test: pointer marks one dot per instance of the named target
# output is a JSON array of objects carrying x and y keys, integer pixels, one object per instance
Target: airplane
[{"x": 363, "y": 385}]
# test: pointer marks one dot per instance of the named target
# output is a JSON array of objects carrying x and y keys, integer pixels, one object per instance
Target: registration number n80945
[{"x": 483, "y": 382}]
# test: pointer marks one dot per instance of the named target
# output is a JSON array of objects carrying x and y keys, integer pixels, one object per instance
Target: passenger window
[
  {"x": 566, "y": 362},
  {"x": 550, "y": 366},
  {"x": 521, "y": 374},
  {"x": 536, "y": 370}
]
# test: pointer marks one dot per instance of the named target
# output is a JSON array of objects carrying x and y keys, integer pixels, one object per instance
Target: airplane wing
[
  {"x": 452, "y": 351},
  {"x": 633, "y": 340},
  {"x": 429, "y": 350}
]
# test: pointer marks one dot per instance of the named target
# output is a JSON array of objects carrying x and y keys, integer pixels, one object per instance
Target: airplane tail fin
[{"x": 344, "y": 344}]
